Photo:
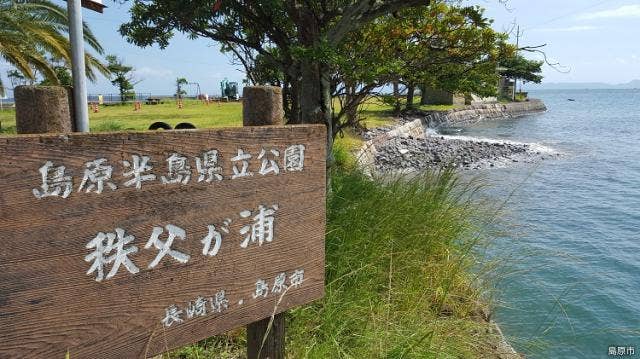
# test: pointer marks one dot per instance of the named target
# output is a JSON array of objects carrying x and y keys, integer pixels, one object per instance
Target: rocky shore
[
  {"x": 409, "y": 154},
  {"x": 411, "y": 146}
]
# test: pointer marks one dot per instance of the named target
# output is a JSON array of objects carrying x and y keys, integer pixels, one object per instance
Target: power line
[{"x": 568, "y": 14}]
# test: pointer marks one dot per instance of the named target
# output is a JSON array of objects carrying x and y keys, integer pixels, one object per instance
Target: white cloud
[
  {"x": 147, "y": 71},
  {"x": 631, "y": 59},
  {"x": 628, "y": 11},
  {"x": 568, "y": 29}
]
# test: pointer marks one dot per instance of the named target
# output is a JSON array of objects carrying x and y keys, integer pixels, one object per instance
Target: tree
[
  {"x": 16, "y": 77},
  {"x": 299, "y": 37},
  {"x": 33, "y": 30},
  {"x": 121, "y": 77},
  {"x": 452, "y": 48},
  {"x": 62, "y": 74},
  {"x": 518, "y": 67},
  {"x": 180, "y": 81}
]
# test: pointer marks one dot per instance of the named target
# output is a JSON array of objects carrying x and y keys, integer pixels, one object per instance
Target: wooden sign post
[
  {"x": 127, "y": 245},
  {"x": 262, "y": 106}
]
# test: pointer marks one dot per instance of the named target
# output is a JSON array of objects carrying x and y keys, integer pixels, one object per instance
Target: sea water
[{"x": 570, "y": 277}]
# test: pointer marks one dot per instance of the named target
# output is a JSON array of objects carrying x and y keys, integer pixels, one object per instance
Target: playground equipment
[{"x": 229, "y": 90}]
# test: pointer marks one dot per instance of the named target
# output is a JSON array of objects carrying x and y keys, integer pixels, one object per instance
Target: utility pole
[
  {"x": 197, "y": 85},
  {"x": 515, "y": 79},
  {"x": 76, "y": 38}
]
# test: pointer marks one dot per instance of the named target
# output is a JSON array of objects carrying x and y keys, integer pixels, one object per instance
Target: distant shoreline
[{"x": 631, "y": 85}]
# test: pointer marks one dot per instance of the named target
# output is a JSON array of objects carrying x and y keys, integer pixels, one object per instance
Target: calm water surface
[{"x": 571, "y": 287}]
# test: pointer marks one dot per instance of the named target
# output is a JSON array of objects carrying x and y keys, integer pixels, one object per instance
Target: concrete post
[
  {"x": 262, "y": 106},
  {"x": 43, "y": 109}
]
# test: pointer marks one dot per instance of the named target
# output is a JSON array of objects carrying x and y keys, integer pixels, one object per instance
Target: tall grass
[{"x": 399, "y": 283}]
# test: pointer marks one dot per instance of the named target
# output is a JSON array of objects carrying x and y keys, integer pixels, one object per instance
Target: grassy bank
[
  {"x": 398, "y": 276},
  {"x": 398, "y": 282}
]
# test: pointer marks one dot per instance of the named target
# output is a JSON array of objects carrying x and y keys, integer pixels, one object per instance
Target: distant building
[
  {"x": 505, "y": 87},
  {"x": 433, "y": 96}
]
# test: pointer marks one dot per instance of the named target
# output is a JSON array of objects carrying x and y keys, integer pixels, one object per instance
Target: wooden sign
[
  {"x": 95, "y": 5},
  {"x": 126, "y": 245}
]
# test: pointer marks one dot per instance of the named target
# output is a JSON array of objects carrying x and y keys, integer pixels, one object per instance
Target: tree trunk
[
  {"x": 293, "y": 115},
  {"x": 396, "y": 96},
  {"x": 351, "y": 112},
  {"x": 310, "y": 93},
  {"x": 423, "y": 98},
  {"x": 325, "y": 84},
  {"x": 411, "y": 89},
  {"x": 315, "y": 79},
  {"x": 350, "y": 105}
]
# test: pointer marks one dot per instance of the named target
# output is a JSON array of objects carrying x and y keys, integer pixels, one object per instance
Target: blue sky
[{"x": 596, "y": 40}]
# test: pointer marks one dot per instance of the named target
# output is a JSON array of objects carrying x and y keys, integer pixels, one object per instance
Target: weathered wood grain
[{"x": 50, "y": 306}]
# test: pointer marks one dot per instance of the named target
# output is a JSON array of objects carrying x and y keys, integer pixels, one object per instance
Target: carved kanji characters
[
  {"x": 241, "y": 159},
  {"x": 172, "y": 315},
  {"x": 296, "y": 279},
  {"x": 138, "y": 166},
  {"x": 208, "y": 168},
  {"x": 279, "y": 283},
  {"x": 269, "y": 165},
  {"x": 55, "y": 182},
  {"x": 97, "y": 174},
  {"x": 179, "y": 170},
  {"x": 262, "y": 289},
  {"x": 294, "y": 158},
  {"x": 197, "y": 308},
  {"x": 104, "y": 245},
  {"x": 262, "y": 229},
  {"x": 164, "y": 247}
]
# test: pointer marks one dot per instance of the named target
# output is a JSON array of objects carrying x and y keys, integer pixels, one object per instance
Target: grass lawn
[
  {"x": 225, "y": 114},
  {"x": 123, "y": 117}
]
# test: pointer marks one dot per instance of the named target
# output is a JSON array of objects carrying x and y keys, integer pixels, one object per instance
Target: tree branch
[{"x": 364, "y": 12}]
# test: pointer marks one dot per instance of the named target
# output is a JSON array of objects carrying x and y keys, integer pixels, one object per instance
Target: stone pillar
[
  {"x": 43, "y": 109},
  {"x": 262, "y": 106}
]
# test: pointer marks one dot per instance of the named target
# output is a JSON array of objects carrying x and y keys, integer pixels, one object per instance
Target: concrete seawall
[
  {"x": 476, "y": 113},
  {"x": 414, "y": 123},
  {"x": 366, "y": 156}
]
